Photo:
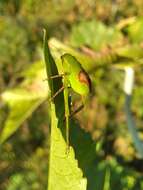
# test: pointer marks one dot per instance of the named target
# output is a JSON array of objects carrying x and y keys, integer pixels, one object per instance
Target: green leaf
[
  {"x": 95, "y": 34},
  {"x": 58, "y": 48},
  {"x": 135, "y": 31},
  {"x": 130, "y": 51},
  {"x": 64, "y": 173},
  {"x": 23, "y": 100},
  {"x": 85, "y": 150},
  {"x": 89, "y": 63}
]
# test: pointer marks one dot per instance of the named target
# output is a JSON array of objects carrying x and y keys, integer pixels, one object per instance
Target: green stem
[
  {"x": 67, "y": 113},
  {"x": 132, "y": 126}
]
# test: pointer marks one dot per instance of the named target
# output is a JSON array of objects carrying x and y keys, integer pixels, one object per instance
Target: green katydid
[{"x": 75, "y": 77}]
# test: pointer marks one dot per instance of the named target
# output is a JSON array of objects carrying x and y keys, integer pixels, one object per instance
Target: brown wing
[{"x": 84, "y": 78}]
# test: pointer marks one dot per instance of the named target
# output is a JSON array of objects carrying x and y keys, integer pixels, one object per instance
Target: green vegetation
[{"x": 105, "y": 37}]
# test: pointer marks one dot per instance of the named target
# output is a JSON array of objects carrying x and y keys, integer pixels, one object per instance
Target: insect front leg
[
  {"x": 61, "y": 89},
  {"x": 54, "y": 77},
  {"x": 57, "y": 76},
  {"x": 58, "y": 92}
]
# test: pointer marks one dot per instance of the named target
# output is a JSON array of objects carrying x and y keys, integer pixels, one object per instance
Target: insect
[{"x": 75, "y": 77}]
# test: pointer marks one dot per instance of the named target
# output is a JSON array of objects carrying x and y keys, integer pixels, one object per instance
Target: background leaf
[
  {"x": 98, "y": 36},
  {"x": 23, "y": 101},
  {"x": 135, "y": 31}
]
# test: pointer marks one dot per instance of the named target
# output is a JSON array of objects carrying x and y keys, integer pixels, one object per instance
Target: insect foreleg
[
  {"x": 59, "y": 91},
  {"x": 57, "y": 76}
]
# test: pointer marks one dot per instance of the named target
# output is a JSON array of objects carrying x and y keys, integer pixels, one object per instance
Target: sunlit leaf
[
  {"x": 135, "y": 31},
  {"x": 64, "y": 173},
  {"x": 95, "y": 35},
  {"x": 23, "y": 100}
]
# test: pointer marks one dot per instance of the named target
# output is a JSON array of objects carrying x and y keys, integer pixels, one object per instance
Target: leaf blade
[{"x": 64, "y": 173}]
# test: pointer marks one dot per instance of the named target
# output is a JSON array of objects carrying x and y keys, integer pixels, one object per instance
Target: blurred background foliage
[{"x": 103, "y": 30}]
